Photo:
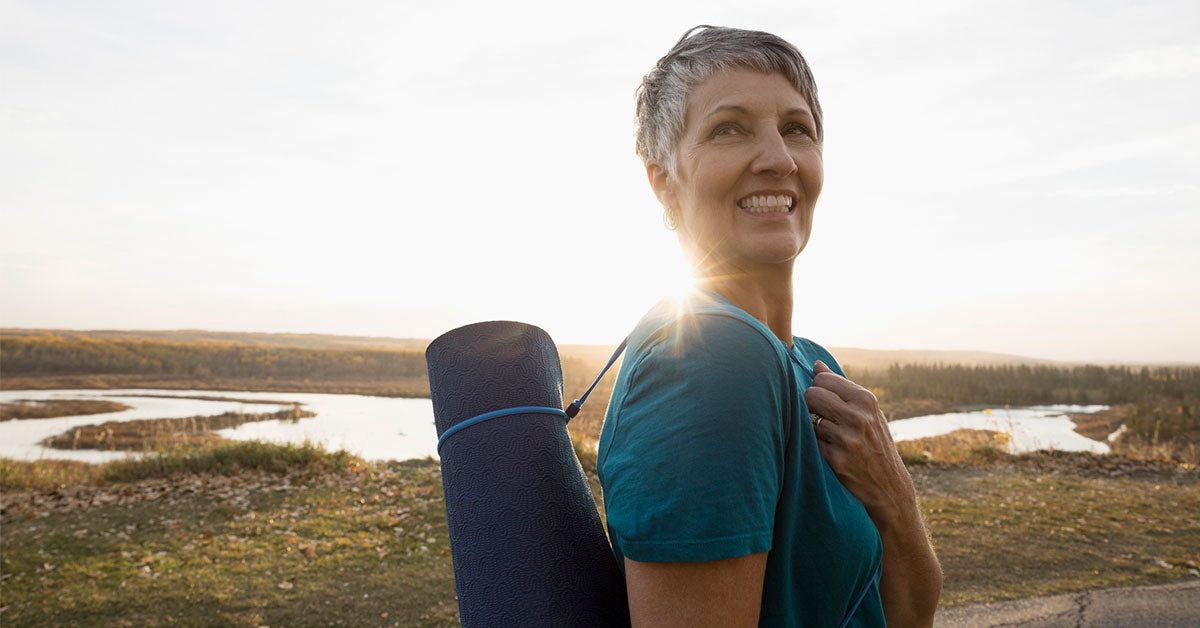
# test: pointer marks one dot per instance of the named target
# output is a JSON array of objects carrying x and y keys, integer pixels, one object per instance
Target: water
[
  {"x": 1032, "y": 428},
  {"x": 383, "y": 428},
  {"x": 376, "y": 428}
]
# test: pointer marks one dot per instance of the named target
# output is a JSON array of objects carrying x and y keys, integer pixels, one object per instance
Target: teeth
[{"x": 763, "y": 204}]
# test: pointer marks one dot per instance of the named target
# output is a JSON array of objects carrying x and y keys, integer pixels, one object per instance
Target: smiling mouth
[{"x": 768, "y": 203}]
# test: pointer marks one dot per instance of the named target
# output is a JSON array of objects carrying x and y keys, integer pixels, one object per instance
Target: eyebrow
[{"x": 742, "y": 110}]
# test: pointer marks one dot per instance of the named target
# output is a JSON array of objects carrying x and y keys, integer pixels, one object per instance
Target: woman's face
[{"x": 749, "y": 172}]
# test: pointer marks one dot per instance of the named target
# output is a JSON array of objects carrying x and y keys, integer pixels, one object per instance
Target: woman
[{"x": 745, "y": 479}]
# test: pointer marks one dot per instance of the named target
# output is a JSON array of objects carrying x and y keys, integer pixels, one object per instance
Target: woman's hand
[{"x": 853, "y": 437}]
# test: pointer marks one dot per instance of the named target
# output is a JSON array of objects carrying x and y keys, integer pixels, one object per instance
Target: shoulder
[
  {"x": 703, "y": 378},
  {"x": 703, "y": 335}
]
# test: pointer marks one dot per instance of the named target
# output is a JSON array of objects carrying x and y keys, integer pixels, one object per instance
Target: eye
[
  {"x": 725, "y": 128},
  {"x": 797, "y": 129}
]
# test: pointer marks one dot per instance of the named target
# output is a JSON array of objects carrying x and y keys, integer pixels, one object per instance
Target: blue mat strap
[
  {"x": 861, "y": 597},
  {"x": 494, "y": 414},
  {"x": 575, "y": 406},
  {"x": 807, "y": 371}
]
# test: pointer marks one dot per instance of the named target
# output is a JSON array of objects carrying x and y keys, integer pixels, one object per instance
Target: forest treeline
[
  {"x": 1031, "y": 385},
  {"x": 58, "y": 355},
  {"x": 87, "y": 362},
  {"x": 52, "y": 355}
]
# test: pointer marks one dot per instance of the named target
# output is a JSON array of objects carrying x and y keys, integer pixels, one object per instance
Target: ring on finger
[{"x": 817, "y": 422}]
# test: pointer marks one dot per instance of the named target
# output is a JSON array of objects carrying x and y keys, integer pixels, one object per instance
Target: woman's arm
[
  {"x": 855, "y": 441},
  {"x": 692, "y": 467},
  {"x": 714, "y": 593}
]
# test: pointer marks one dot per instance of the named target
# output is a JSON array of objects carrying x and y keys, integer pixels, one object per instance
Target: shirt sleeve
[{"x": 695, "y": 466}]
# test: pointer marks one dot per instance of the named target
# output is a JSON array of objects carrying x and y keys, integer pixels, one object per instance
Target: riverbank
[
  {"x": 23, "y": 409},
  {"x": 366, "y": 544}
]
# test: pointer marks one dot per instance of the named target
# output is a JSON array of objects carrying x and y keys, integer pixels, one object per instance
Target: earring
[{"x": 670, "y": 219}]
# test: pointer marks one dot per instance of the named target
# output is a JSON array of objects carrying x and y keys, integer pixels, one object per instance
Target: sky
[{"x": 1018, "y": 177}]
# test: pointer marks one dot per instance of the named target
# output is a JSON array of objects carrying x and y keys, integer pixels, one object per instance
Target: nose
[{"x": 773, "y": 157}]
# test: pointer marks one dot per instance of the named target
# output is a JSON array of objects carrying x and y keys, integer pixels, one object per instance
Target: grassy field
[
  {"x": 1015, "y": 530},
  {"x": 254, "y": 534},
  {"x": 323, "y": 541}
]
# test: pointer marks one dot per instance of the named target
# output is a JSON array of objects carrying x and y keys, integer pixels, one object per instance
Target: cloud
[{"x": 1167, "y": 62}]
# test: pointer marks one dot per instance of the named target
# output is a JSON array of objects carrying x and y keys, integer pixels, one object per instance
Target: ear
[{"x": 662, "y": 184}]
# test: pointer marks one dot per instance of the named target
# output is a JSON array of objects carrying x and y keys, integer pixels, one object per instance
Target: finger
[
  {"x": 827, "y": 404},
  {"x": 821, "y": 367},
  {"x": 845, "y": 389},
  {"x": 827, "y": 430}
]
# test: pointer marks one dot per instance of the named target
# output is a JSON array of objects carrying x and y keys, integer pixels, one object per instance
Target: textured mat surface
[{"x": 528, "y": 545}]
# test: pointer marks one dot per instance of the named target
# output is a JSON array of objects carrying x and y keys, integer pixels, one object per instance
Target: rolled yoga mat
[{"x": 527, "y": 542}]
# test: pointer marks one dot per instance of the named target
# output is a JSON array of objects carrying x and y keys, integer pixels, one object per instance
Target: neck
[{"x": 764, "y": 292}]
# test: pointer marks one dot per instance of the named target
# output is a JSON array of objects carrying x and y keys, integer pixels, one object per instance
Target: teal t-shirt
[{"x": 707, "y": 452}]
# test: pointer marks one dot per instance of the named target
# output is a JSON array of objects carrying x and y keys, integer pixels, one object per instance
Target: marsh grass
[
  {"x": 232, "y": 457},
  {"x": 156, "y": 434},
  {"x": 1134, "y": 446},
  {"x": 960, "y": 447},
  {"x": 50, "y": 408},
  {"x": 46, "y": 474},
  {"x": 223, "y": 458}
]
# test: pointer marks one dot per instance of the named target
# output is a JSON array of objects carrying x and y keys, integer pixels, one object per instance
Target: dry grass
[
  {"x": 961, "y": 447},
  {"x": 152, "y": 434},
  {"x": 1004, "y": 532},
  {"x": 1098, "y": 425},
  {"x": 50, "y": 408},
  {"x": 46, "y": 474},
  {"x": 1147, "y": 449},
  {"x": 221, "y": 458},
  {"x": 367, "y": 544},
  {"x": 365, "y": 547}
]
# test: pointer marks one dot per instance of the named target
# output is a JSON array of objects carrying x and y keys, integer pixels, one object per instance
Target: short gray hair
[{"x": 700, "y": 53}]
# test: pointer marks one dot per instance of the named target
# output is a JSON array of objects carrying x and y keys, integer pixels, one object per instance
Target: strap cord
[
  {"x": 576, "y": 405},
  {"x": 807, "y": 371},
  {"x": 861, "y": 596},
  {"x": 495, "y": 414}
]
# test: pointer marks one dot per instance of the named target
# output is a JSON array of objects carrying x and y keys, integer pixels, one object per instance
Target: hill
[
  {"x": 199, "y": 336},
  {"x": 852, "y": 357}
]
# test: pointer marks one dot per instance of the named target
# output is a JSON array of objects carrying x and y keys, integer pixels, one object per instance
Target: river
[
  {"x": 376, "y": 428},
  {"x": 385, "y": 428},
  {"x": 1031, "y": 428}
]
